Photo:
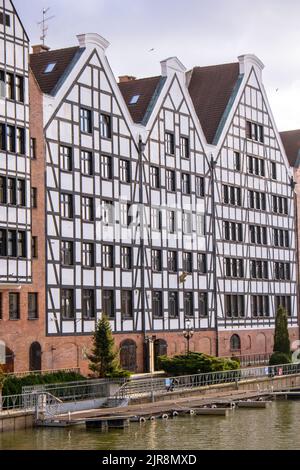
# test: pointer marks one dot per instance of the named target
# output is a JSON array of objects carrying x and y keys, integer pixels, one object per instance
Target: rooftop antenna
[{"x": 43, "y": 24}]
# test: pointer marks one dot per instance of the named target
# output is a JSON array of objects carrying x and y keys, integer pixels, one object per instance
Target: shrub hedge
[
  {"x": 196, "y": 363},
  {"x": 279, "y": 358},
  {"x": 13, "y": 385}
]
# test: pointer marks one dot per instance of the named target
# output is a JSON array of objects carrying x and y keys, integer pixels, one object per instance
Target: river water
[{"x": 277, "y": 427}]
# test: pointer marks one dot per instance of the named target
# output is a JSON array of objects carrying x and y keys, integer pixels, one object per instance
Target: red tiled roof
[
  {"x": 63, "y": 58},
  {"x": 291, "y": 143},
  {"x": 210, "y": 89},
  {"x": 144, "y": 88}
]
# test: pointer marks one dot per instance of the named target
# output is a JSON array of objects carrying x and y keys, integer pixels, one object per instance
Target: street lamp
[{"x": 188, "y": 334}]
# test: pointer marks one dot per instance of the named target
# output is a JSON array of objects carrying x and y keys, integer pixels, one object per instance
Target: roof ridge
[{"x": 55, "y": 50}]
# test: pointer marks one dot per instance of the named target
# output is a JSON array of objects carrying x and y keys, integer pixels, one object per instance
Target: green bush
[
  {"x": 279, "y": 358},
  {"x": 195, "y": 363},
  {"x": 13, "y": 385}
]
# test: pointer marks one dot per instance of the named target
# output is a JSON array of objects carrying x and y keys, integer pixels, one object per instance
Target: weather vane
[{"x": 44, "y": 24}]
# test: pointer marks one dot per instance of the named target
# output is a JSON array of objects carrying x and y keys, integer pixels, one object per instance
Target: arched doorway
[
  {"x": 160, "y": 349},
  {"x": 128, "y": 355},
  {"x": 235, "y": 343},
  {"x": 35, "y": 357}
]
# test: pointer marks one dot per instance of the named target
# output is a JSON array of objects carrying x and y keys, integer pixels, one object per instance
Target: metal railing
[
  {"x": 15, "y": 403},
  {"x": 75, "y": 391},
  {"x": 148, "y": 387},
  {"x": 43, "y": 372},
  {"x": 251, "y": 359}
]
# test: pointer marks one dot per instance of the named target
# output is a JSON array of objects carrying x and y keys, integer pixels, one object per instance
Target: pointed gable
[
  {"x": 211, "y": 89},
  {"x": 291, "y": 143}
]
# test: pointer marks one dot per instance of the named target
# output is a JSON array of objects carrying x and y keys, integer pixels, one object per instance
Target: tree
[
  {"x": 282, "y": 339},
  {"x": 104, "y": 359}
]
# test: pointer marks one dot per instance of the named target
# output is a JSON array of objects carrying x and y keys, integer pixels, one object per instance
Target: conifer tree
[{"x": 282, "y": 339}]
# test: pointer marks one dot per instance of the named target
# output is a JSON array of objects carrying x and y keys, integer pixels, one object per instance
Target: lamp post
[{"x": 188, "y": 334}]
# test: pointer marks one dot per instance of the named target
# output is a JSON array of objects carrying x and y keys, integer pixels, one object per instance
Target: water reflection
[{"x": 277, "y": 427}]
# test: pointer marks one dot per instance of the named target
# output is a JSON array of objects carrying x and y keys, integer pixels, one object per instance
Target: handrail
[{"x": 42, "y": 372}]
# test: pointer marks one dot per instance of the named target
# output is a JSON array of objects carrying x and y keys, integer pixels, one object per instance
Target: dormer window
[
  {"x": 50, "y": 67},
  {"x": 134, "y": 99}
]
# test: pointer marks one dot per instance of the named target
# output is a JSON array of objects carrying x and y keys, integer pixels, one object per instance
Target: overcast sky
[{"x": 198, "y": 32}]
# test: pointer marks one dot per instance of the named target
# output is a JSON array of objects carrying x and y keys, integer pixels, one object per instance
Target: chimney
[
  {"x": 126, "y": 78},
  {"x": 40, "y": 48}
]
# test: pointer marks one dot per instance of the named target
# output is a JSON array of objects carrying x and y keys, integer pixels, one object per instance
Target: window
[
  {"x": 281, "y": 238},
  {"x": 184, "y": 147},
  {"x": 66, "y": 162},
  {"x": 170, "y": 143},
  {"x": 125, "y": 172},
  {"x": 157, "y": 305},
  {"x": 34, "y": 198},
  {"x": 200, "y": 186},
  {"x": 188, "y": 303},
  {"x": 125, "y": 217},
  {"x": 234, "y": 268},
  {"x": 11, "y": 191},
  {"x": 10, "y": 139},
  {"x": 154, "y": 177},
  {"x": 260, "y": 306},
  {"x": 33, "y": 148},
  {"x": 12, "y": 243},
  {"x": 234, "y": 306},
  {"x": 2, "y": 190},
  {"x": 282, "y": 271},
  {"x": 156, "y": 260},
  {"x": 187, "y": 223},
  {"x": 172, "y": 261},
  {"x": 186, "y": 183},
  {"x": 235, "y": 343},
  {"x": 156, "y": 219},
  {"x": 258, "y": 235},
  {"x": 21, "y": 140},
  {"x": 21, "y": 193},
  {"x": 67, "y": 304},
  {"x": 134, "y": 99},
  {"x": 187, "y": 262},
  {"x": 126, "y": 304},
  {"x": 88, "y": 255},
  {"x": 66, "y": 206},
  {"x": 107, "y": 212},
  {"x": 254, "y": 131},
  {"x": 284, "y": 301},
  {"x": 88, "y": 304},
  {"x": 87, "y": 209},
  {"x": 2, "y": 84},
  {"x": 171, "y": 180},
  {"x": 10, "y": 86},
  {"x": 256, "y": 166},
  {"x": 50, "y": 67},
  {"x": 201, "y": 225},
  {"x": 257, "y": 200},
  {"x": 173, "y": 305},
  {"x": 34, "y": 247},
  {"x": 259, "y": 269},
  {"x": 33, "y": 306},
  {"x": 85, "y": 121},
  {"x": 106, "y": 167},
  {"x": 105, "y": 126},
  {"x": 171, "y": 221},
  {"x": 3, "y": 251},
  {"x": 87, "y": 163},
  {"x": 22, "y": 251},
  {"x": 108, "y": 307},
  {"x": 14, "y": 306},
  {"x": 280, "y": 205},
  {"x": 237, "y": 161},
  {"x": 108, "y": 256},
  {"x": 19, "y": 88},
  {"x": 202, "y": 266},
  {"x": 232, "y": 195},
  {"x": 67, "y": 253},
  {"x": 5, "y": 19},
  {"x": 2, "y": 137},
  {"x": 126, "y": 257},
  {"x": 273, "y": 171},
  {"x": 203, "y": 304}
]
